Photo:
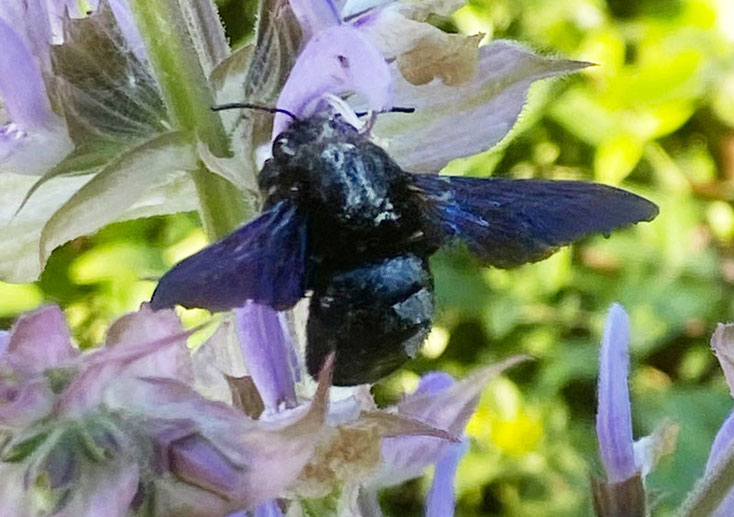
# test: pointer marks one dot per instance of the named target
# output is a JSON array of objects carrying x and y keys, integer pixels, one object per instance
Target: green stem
[{"x": 188, "y": 97}]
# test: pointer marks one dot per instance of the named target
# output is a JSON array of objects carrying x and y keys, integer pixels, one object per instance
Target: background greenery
[{"x": 657, "y": 117}]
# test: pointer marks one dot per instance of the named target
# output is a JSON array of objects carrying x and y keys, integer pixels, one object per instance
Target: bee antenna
[
  {"x": 247, "y": 105},
  {"x": 394, "y": 109}
]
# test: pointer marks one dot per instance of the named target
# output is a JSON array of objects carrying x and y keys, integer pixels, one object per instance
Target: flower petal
[
  {"x": 723, "y": 441},
  {"x": 22, "y": 90},
  {"x": 40, "y": 340},
  {"x": 315, "y": 15},
  {"x": 216, "y": 361},
  {"x": 107, "y": 366},
  {"x": 33, "y": 153},
  {"x": 12, "y": 491},
  {"x": 197, "y": 461},
  {"x": 722, "y": 342},
  {"x": 650, "y": 449},
  {"x": 442, "y": 404},
  {"x": 269, "y": 353},
  {"x": 722, "y": 444},
  {"x": 146, "y": 326},
  {"x": 423, "y": 51},
  {"x": 22, "y": 405},
  {"x": 453, "y": 122},
  {"x": 105, "y": 492},
  {"x": 451, "y": 407},
  {"x": 433, "y": 383},
  {"x": 37, "y": 23},
  {"x": 337, "y": 60},
  {"x": 440, "y": 500},
  {"x": 614, "y": 414},
  {"x": 269, "y": 509},
  {"x": 4, "y": 339}
]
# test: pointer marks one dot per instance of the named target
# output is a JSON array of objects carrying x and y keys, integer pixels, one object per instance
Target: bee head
[{"x": 296, "y": 143}]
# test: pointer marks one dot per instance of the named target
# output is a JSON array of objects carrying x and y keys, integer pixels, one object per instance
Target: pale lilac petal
[
  {"x": 108, "y": 366},
  {"x": 197, "y": 461},
  {"x": 4, "y": 339},
  {"x": 453, "y": 122},
  {"x": 440, "y": 501},
  {"x": 451, "y": 408},
  {"x": 614, "y": 415},
  {"x": 12, "y": 491},
  {"x": 433, "y": 383},
  {"x": 442, "y": 403},
  {"x": 35, "y": 22},
  {"x": 269, "y": 509},
  {"x": 338, "y": 60},
  {"x": 22, "y": 89},
  {"x": 33, "y": 153},
  {"x": 145, "y": 326},
  {"x": 24, "y": 404},
  {"x": 406, "y": 458},
  {"x": 315, "y": 15},
  {"x": 40, "y": 340},
  {"x": 108, "y": 493},
  {"x": 353, "y": 8},
  {"x": 269, "y": 353},
  {"x": 722, "y": 444},
  {"x": 36, "y": 138}
]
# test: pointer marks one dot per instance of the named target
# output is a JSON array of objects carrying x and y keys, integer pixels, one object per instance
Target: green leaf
[
  {"x": 87, "y": 158},
  {"x": 118, "y": 187},
  {"x": 616, "y": 157},
  {"x": 21, "y": 450}
]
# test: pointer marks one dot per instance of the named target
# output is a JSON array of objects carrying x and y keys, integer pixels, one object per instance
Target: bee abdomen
[{"x": 375, "y": 317}]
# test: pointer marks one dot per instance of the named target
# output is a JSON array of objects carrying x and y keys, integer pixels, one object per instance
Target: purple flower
[
  {"x": 466, "y": 98},
  {"x": 364, "y": 449},
  {"x": 722, "y": 343},
  {"x": 722, "y": 446},
  {"x": 35, "y": 138},
  {"x": 76, "y": 91},
  {"x": 98, "y": 426},
  {"x": 626, "y": 462},
  {"x": 269, "y": 353},
  {"x": 614, "y": 415}
]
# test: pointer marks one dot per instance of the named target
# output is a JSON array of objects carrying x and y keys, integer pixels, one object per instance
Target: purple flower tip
[
  {"x": 197, "y": 461},
  {"x": 269, "y": 353},
  {"x": 614, "y": 415},
  {"x": 440, "y": 500},
  {"x": 335, "y": 61}
]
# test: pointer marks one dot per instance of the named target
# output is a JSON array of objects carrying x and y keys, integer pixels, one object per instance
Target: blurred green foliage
[{"x": 655, "y": 116}]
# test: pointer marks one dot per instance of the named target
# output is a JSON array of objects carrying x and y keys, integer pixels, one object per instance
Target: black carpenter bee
[{"x": 343, "y": 221}]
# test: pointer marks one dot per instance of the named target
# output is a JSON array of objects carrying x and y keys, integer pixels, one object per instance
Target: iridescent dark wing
[
  {"x": 508, "y": 222},
  {"x": 264, "y": 261}
]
